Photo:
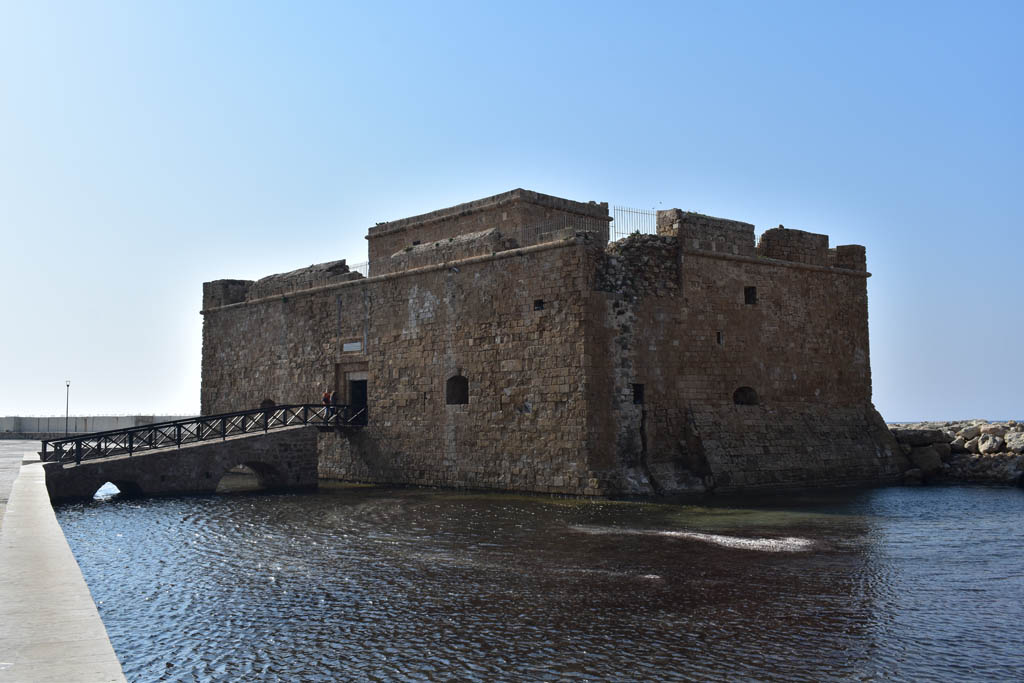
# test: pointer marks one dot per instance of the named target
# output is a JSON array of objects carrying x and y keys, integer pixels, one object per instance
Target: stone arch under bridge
[{"x": 281, "y": 459}]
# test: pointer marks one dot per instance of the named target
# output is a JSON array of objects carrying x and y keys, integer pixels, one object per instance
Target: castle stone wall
[
  {"x": 685, "y": 361},
  {"x": 524, "y": 426},
  {"x": 678, "y": 322}
]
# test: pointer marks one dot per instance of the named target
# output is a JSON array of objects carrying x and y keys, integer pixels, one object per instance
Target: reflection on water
[
  {"x": 772, "y": 545},
  {"x": 365, "y": 583}
]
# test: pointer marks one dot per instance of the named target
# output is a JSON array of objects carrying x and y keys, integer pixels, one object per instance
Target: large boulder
[
  {"x": 989, "y": 443},
  {"x": 968, "y": 433},
  {"x": 926, "y": 459},
  {"x": 959, "y": 445},
  {"x": 993, "y": 429},
  {"x": 1015, "y": 442},
  {"x": 919, "y": 437},
  {"x": 944, "y": 450},
  {"x": 972, "y": 445}
]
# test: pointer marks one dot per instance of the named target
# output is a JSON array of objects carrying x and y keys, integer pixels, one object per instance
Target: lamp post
[{"x": 67, "y": 404}]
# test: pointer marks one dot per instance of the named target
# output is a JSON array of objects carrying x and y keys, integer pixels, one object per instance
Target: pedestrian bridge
[{"x": 191, "y": 456}]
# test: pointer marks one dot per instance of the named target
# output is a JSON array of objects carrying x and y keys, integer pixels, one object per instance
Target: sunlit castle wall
[
  {"x": 473, "y": 364},
  {"x": 498, "y": 356}
]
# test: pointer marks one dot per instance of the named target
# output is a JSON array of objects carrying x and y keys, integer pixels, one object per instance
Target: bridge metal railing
[{"x": 197, "y": 429}]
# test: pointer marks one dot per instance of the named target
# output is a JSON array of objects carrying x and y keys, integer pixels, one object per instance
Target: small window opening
[
  {"x": 745, "y": 396},
  {"x": 415, "y": 242},
  {"x": 750, "y": 295},
  {"x": 638, "y": 394},
  {"x": 456, "y": 390},
  {"x": 721, "y": 339},
  {"x": 351, "y": 346},
  {"x": 538, "y": 304}
]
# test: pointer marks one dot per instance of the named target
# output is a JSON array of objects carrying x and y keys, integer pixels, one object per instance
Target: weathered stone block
[
  {"x": 926, "y": 459},
  {"x": 919, "y": 437}
]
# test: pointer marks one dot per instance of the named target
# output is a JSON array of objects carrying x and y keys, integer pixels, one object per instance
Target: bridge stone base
[{"x": 282, "y": 459}]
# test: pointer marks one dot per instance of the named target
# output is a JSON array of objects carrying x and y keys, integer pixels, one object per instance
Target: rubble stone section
[{"x": 686, "y": 361}]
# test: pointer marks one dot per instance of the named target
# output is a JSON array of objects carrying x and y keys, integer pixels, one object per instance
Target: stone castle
[{"x": 505, "y": 343}]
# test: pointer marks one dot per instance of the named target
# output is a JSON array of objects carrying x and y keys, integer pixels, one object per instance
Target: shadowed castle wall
[{"x": 677, "y": 321}]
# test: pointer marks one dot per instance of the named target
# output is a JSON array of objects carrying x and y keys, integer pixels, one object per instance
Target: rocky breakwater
[{"x": 969, "y": 451}]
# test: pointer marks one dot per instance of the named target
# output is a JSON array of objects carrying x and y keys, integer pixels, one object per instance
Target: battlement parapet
[
  {"x": 316, "y": 275},
  {"x": 226, "y": 292},
  {"x": 707, "y": 233},
  {"x": 223, "y": 292},
  {"x": 794, "y": 245},
  {"x": 849, "y": 256}
]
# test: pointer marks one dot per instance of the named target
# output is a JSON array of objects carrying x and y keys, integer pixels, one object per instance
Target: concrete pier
[{"x": 50, "y": 629}]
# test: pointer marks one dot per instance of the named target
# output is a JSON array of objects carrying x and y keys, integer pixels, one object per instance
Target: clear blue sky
[{"x": 146, "y": 147}]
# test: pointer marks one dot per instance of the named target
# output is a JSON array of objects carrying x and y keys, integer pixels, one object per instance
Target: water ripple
[
  {"x": 788, "y": 544},
  {"x": 371, "y": 584}
]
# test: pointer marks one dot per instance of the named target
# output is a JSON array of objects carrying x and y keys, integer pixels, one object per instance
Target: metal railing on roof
[{"x": 627, "y": 221}]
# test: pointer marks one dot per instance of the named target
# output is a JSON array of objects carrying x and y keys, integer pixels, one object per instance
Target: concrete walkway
[
  {"x": 49, "y": 627},
  {"x": 12, "y": 454}
]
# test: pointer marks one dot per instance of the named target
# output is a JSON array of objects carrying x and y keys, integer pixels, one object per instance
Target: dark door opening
[{"x": 357, "y": 401}]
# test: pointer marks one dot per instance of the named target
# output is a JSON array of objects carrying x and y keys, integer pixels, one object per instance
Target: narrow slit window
[
  {"x": 720, "y": 338},
  {"x": 750, "y": 296},
  {"x": 538, "y": 304},
  {"x": 638, "y": 394}
]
